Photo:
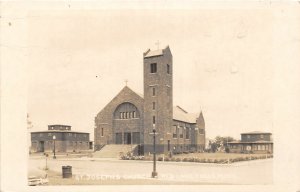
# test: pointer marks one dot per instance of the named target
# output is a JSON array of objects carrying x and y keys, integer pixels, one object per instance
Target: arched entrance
[{"x": 127, "y": 124}]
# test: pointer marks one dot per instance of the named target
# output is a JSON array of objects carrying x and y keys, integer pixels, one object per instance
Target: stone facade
[
  {"x": 158, "y": 91},
  {"x": 108, "y": 123},
  {"x": 130, "y": 118}
]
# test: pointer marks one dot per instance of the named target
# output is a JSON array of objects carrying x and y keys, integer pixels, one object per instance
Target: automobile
[{"x": 37, "y": 177}]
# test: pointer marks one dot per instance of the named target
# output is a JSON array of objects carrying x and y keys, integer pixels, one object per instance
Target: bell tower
[{"x": 158, "y": 98}]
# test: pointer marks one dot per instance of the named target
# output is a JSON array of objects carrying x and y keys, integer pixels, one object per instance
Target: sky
[{"x": 222, "y": 64}]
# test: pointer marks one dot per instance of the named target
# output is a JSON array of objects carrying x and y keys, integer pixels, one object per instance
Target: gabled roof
[
  {"x": 126, "y": 88},
  {"x": 139, "y": 94},
  {"x": 180, "y": 114}
]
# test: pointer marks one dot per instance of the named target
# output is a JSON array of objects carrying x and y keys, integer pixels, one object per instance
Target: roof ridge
[
  {"x": 139, "y": 94},
  {"x": 181, "y": 109}
]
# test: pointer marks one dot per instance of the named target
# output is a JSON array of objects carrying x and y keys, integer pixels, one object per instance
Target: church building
[{"x": 129, "y": 118}]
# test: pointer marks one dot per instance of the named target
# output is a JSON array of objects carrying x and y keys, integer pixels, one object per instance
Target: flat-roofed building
[{"x": 65, "y": 139}]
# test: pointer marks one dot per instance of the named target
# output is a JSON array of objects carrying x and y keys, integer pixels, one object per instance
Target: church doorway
[{"x": 127, "y": 138}]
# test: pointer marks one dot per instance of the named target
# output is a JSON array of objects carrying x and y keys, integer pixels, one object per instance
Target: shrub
[
  {"x": 125, "y": 157},
  {"x": 202, "y": 160},
  {"x": 215, "y": 161},
  {"x": 159, "y": 158},
  {"x": 173, "y": 159},
  {"x": 191, "y": 159},
  {"x": 141, "y": 158},
  {"x": 222, "y": 161},
  {"x": 167, "y": 159},
  {"x": 185, "y": 159},
  {"x": 178, "y": 160},
  {"x": 227, "y": 150}
]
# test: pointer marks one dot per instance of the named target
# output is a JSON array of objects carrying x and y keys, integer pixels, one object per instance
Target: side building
[
  {"x": 252, "y": 142},
  {"x": 65, "y": 140}
]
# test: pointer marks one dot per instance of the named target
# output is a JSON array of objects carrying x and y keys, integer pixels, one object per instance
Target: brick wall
[
  {"x": 107, "y": 122},
  {"x": 105, "y": 118},
  {"x": 163, "y": 98},
  {"x": 44, "y": 140}
]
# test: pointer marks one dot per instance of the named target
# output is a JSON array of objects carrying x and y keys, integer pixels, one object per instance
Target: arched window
[{"x": 126, "y": 111}]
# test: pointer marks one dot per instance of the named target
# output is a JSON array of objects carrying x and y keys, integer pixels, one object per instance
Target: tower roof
[
  {"x": 150, "y": 53},
  {"x": 155, "y": 53}
]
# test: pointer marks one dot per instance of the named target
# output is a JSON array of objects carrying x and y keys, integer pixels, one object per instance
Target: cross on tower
[
  {"x": 157, "y": 43},
  {"x": 126, "y": 81}
]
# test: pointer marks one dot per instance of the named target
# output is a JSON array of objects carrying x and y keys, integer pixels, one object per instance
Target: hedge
[{"x": 196, "y": 160}]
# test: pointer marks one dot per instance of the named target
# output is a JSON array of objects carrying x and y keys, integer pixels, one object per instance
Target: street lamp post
[
  {"x": 54, "y": 137},
  {"x": 154, "y": 173}
]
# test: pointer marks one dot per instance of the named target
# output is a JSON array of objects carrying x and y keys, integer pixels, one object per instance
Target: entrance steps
[{"x": 114, "y": 151}]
